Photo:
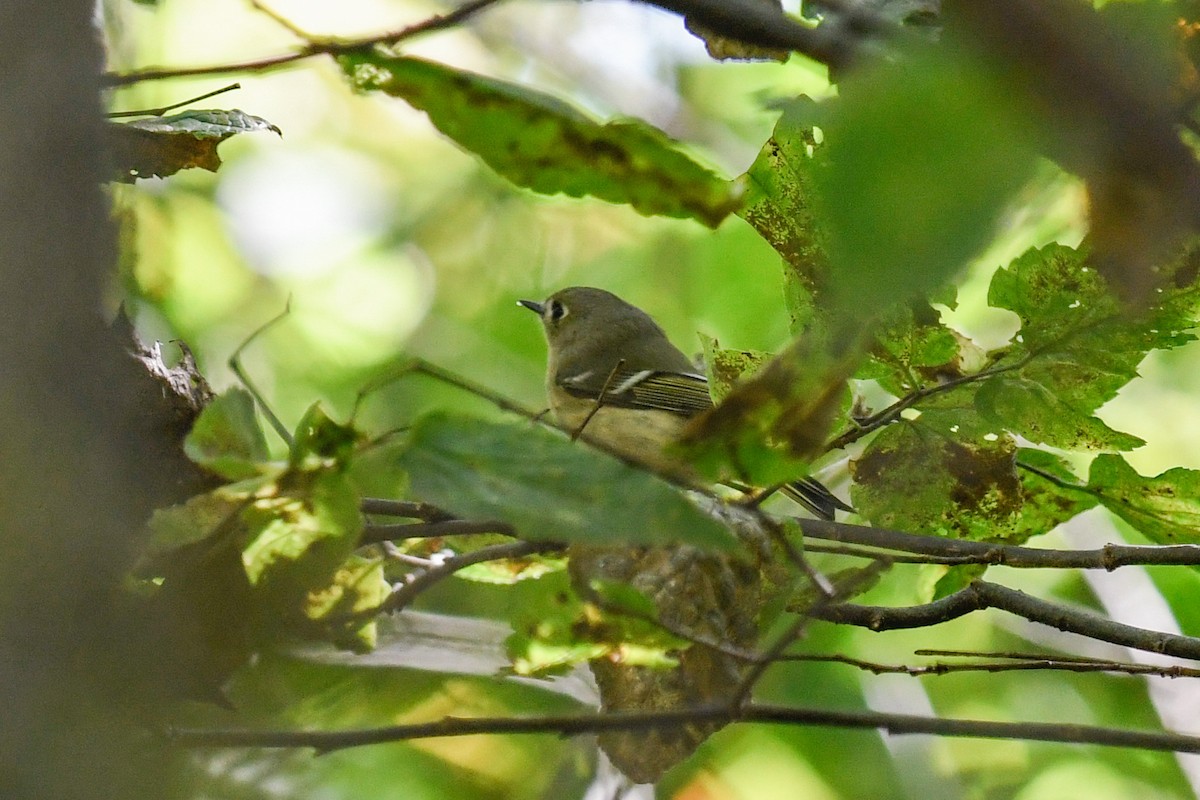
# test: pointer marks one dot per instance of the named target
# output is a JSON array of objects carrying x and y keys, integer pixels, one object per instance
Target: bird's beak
[{"x": 533, "y": 306}]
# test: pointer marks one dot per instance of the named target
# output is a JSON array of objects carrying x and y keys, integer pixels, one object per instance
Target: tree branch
[
  {"x": 374, "y": 534},
  {"x": 892, "y": 412},
  {"x": 1109, "y": 557},
  {"x": 1019, "y": 663},
  {"x": 315, "y": 47},
  {"x": 573, "y": 724},
  {"x": 404, "y": 508},
  {"x": 982, "y": 594},
  {"x": 835, "y": 45}
]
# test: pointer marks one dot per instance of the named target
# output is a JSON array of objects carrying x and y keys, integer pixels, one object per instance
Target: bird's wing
[
  {"x": 685, "y": 394},
  {"x": 682, "y": 393}
]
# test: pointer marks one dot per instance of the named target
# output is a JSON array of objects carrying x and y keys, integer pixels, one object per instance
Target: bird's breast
[{"x": 636, "y": 434}]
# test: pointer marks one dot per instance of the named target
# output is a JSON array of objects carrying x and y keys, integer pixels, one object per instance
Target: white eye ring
[{"x": 557, "y": 310}]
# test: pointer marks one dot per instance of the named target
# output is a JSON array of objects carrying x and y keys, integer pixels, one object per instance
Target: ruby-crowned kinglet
[{"x": 614, "y": 377}]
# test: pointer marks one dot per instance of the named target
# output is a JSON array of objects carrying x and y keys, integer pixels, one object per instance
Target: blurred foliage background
[{"x": 389, "y": 241}]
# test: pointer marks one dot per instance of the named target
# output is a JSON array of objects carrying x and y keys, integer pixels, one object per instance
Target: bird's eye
[{"x": 557, "y": 310}]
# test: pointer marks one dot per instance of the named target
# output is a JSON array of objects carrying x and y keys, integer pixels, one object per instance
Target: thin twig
[
  {"x": 748, "y": 656},
  {"x": 283, "y": 21},
  {"x": 892, "y": 412},
  {"x": 755, "y": 671},
  {"x": 794, "y": 631},
  {"x": 403, "y": 508},
  {"x": 373, "y": 534},
  {"x": 793, "y": 553},
  {"x": 419, "y": 366},
  {"x": 574, "y": 724},
  {"x": 599, "y": 399},
  {"x": 1109, "y": 557},
  {"x": 1030, "y": 663},
  {"x": 882, "y": 555},
  {"x": 315, "y": 47},
  {"x": 235, "y": 364},
  {"x": 158, "y": 112}
]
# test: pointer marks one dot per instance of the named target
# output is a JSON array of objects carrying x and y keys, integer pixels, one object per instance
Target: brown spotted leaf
[
  {"x": 542, "y": 143},
  {"x": 162, "y": 146},
  {"x": 913, "y": 477}
]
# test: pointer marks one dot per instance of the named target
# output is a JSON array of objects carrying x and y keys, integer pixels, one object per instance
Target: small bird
[{"x": 614, "y": 378}]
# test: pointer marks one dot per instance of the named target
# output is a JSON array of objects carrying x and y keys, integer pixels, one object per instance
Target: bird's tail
[{"x": 812, "y": 494}]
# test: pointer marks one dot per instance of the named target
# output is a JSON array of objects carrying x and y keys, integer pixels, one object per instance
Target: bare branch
[
  {"x": 1109, "y": 557},
  {"x": 573, "y": 724},
  {"x": 767, "y": 26},
  {"x": 235, "y": 364},
  {"x": 982, "y": 594},
  {"x": 596, "y": 405},
  {"x": 404, "y": 508},
  {"x": 892, "y": 412},
  {"x": 315, "y": 47},
  {"x": 1019, "y": 663},
  {"x": 158, "y": 112},
  {"x": 373, "y": 534}
]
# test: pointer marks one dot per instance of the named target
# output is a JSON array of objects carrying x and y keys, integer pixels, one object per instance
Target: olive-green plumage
[{"x": 613, "y": 376}]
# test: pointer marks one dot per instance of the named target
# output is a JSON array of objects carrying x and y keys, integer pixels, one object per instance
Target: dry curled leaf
[{"x": 162, "y": 146}]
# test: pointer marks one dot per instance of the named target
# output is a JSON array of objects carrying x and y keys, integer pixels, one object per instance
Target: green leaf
[
  {"x": 539, "y": 142},
  {"x": 227, "y": 438},
  {"x": 209, "y": 124},
  {"x": 162, "y": 146},
  {"x": 923, "y": 154},
  {"x": 1040, "y": 414},
  {"x": 296, "y": 539},
  {"x": 551, "y": 642},
  {"x": 913, "y": 348},
  {"x": 547, "y": 487},
  {"x": 616, "y": 621},
  {"x": 1076, "y": 348},
  {"x": 1060, "y": 299},
  {"x": 779, "y": 204},
  {"x": 199, "y": 517},
  {"x": 1165, "y": 508},
  {"x": 912, "y": 477},
  {"x": 727, "y": 367},
  {"x": 770, "y": 426},
  {"x": 512, "y": 570},
  {"x": 946, "y": 581},
  {"x": 619, "y": 596},
  {"x": 1053, "y": 494},
  {"x": 321, "y": 439},
  {"x": 358, "y": 585}
]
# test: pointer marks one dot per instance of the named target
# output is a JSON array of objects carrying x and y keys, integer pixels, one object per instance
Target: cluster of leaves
[
  {"x": 972, "y": 455},
  {"x": 278, "y": 552},
  {"x": 954, "y": 454},
  {"x": 271, "y": 553}
]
